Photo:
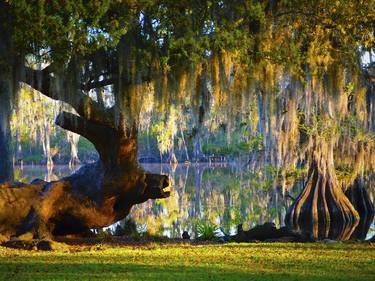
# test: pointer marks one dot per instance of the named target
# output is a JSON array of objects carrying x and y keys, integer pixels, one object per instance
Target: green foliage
[
  {"x": 321, "y": 127},
  {"x": 34, "y": 158},
  {"x": 294, "y": 174},
  {"x": 354, "y": 128},
  {"x": 240, "y": 143},
  {"x": 56, "y": 30},
  {"x": 266, "y": 185},
  {"x": 207, "y": 231},
  {"x": 104, "y": 233},
  {"x": 344, "y": 172},
  {"x": 86, "y": 150},
  {"x": 18, "y": 176}
]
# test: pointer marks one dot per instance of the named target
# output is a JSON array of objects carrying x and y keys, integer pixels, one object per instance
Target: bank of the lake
[
  {"x": 219, "y": 194},
  {"x": 258, "y": 261}
]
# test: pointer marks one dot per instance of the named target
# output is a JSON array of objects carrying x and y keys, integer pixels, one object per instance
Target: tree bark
[
  {"x": 7, "y": 64},
  {"x": 360, "y": 199},
  {"x": 97, "y": 195},
  {"x": 6, "y": 167},
  {"x": 322, "y": 210},
  {"x": 6, "y": 88}
]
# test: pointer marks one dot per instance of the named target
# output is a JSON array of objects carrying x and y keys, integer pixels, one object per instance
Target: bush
[{"x": 207, "y": 231}]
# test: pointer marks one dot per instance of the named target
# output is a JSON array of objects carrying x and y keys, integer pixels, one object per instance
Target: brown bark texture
[
  {"x": 97, "y": 195},
  {"x": 322, "y": 210},
  {"x": 360, "y": 199}
]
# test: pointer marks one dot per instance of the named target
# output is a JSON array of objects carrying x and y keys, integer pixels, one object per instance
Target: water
[{"x": 221, "y": 194}]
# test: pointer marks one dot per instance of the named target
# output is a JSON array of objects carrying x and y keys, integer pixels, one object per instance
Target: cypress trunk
[
  {"x": 360, "y": 199},
  {"x": 322, "y": 210}
]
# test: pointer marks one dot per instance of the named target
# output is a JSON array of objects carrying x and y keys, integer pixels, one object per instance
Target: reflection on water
[
  {"x": 29, "y": 173},
  {"x": 222, "y": 194}
]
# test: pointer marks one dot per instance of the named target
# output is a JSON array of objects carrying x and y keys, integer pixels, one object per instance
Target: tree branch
[
  {"x": 39, "y": 80},
  {"x": 42, "y": 81},
  {"x": 100, "y": 135}
]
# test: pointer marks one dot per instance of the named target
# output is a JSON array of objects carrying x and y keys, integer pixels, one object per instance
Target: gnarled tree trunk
[
  {"x": 322, "y": 209},
  {"x": 96, "y": 196}
]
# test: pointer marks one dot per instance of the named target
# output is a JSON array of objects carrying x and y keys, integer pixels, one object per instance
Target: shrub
[{"x": 207, "y": 231}]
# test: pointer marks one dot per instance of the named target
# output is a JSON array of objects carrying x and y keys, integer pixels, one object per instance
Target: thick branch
[
  {"x": 101, "y": 136},
  {"x": 41, "y": 80}
]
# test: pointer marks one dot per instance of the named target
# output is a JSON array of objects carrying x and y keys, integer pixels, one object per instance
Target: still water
[{"x": 222, "y": 194}]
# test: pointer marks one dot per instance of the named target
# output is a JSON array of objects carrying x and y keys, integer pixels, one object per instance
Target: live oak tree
[
  {"x": 43, "y": 32},
  {"x": 291, "y": 60},
  {"x": 56, "y": 34}
]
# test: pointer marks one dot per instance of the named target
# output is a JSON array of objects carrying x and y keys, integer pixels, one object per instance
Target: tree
[
  {"x": 7, "y": 92},
  {"x": 54, "y": 32},
  {"x": 56, "y": 35},
  {"x": 210, "y": 55}
]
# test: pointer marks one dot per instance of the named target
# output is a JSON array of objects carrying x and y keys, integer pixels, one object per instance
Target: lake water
[{"x": 221, "y": 194}]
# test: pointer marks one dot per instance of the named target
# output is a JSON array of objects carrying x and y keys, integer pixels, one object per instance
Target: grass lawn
[{"x": 260, "y": 261}]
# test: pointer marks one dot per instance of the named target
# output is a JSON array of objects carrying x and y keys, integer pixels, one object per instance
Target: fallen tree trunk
[{"x": 97, "y": 195}]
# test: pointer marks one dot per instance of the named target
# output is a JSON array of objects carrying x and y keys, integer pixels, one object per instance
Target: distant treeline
[{"x": 169, "y": 138}]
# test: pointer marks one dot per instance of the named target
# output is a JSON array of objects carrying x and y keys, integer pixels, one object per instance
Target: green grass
[{"x": 274, "y": 261}]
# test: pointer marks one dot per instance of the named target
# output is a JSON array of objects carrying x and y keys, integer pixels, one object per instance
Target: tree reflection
[
  {"x": 223, "y": 195},
  {"x": 229, "y": 195}
]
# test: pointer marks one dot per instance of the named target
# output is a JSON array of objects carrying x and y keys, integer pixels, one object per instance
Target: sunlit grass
[{"x": 262, "y": 261}]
